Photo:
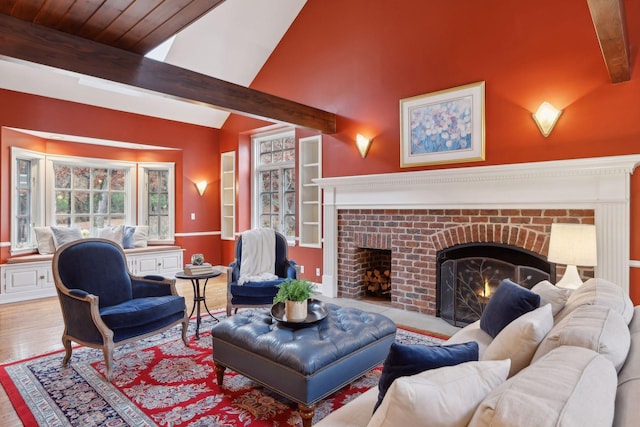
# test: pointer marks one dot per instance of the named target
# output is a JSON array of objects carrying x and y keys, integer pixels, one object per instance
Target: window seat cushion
[{"x": 49, "y": 257}]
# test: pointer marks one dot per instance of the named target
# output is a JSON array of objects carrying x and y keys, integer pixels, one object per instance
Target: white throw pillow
[
  {"x": 519, "y": 340},
  {"x": 141, "y": 236},
  {"x": 44, "y": 239},
  {"x": 570, "y": 386},
  {"x": 64, "y": 235},
  {"x": 551, "y": 294},
  {"x": 445, "y": 396},
  {"x": 595, "y": 327},
  {"x": 472, "y": 332},
  {"x": 112, "y": 233}
]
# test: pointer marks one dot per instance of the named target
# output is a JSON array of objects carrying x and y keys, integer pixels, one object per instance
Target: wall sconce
[
  {"x": 201, "y": 186},
  {"x": 572, "y": 244},
  {"x": 363, "y": 143},
  {"x": 546, "y": 117}
]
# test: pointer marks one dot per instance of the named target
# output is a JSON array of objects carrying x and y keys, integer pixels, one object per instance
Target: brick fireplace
[
  {"x": 415, "y": 237},
  {"x": 417, "y": 213}
]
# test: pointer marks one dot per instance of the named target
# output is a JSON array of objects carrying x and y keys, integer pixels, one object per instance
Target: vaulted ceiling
[{"x": 91, "y": 51}]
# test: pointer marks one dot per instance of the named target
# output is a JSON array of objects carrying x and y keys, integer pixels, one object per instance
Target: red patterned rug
[{"x": 158, "y": 382}]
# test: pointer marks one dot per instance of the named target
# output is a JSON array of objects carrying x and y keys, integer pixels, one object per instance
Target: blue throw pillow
[
  {"x": 404, "y": 360},
  {"x": 127, "y": 237},
  {"x": 64, "y": 235},
  {"x": 507, "y": 303}
]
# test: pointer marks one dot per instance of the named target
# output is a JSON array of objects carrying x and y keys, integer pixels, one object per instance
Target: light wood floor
[{"x": 35, "y": 327}]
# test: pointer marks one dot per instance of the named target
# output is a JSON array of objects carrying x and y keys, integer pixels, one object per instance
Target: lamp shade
[{"x": 573, "y": 244}]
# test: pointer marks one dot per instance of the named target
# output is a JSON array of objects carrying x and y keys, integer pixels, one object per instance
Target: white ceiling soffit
[{"x": 231, "y": 43}]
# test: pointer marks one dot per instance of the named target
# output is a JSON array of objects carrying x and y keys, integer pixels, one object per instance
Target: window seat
[{"x": 48, "y": 257}]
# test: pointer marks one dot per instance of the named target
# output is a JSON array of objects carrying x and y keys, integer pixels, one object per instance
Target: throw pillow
[
  {"x": 112, "y": 233},
  {"x": 409, "y": 359},
  {"x": 127, "y": 237},
  {"x": 64, "y": 235},
  {"x": 599, "y": 292},
  {"x": 472, "y": 332},
  {"x": 507, "y": 303},
  {"x": 141, "y": 236},
  {"x": 445, "y": 397},
  {"x": 44, "y": 239},
  {"x": 551, "y": 294},
  {"x": 519, "y": 340}
]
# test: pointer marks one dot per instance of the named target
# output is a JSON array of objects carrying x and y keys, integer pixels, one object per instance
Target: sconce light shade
[
  {"x": 363, "y": 143},
  {"x": 201, "y": 186},
  {"x": 572, "y": 244},
  {"x": 546, "y": 117}
]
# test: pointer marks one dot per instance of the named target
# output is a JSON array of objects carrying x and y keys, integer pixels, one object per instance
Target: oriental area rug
[{"x": 159, "y": 382}]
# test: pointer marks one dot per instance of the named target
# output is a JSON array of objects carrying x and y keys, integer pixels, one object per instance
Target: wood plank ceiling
[{"x": 108, "y": 38}]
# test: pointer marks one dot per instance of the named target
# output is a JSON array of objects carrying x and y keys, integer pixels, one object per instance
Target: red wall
[
  {"x": 195, "y": 154},
  {"x": 359, "y": 58}
]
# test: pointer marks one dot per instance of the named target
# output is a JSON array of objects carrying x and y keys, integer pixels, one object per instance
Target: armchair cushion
[{"x": 141, "y": 311}]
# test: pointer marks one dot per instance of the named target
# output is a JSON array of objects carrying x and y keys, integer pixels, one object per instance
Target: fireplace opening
[
  {"x": 468, "y": 274},
  {"x": 375, "y": 273}
]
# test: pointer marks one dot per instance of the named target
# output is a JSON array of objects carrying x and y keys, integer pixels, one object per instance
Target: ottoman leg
[
  {"x": 219, "y": 373},
  {"x": 307, "y": 413}
]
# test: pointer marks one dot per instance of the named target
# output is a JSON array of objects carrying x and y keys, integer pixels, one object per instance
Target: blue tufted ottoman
[{"x": 303, "y": 364}]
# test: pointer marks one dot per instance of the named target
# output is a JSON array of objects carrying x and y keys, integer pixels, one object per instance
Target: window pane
[
  {"x": 265, "y": 147},
  {"x": 265, "y": 221},
  {"x": 275, "y": 203},
  {"x": 164, "y": 227},
  {"x": 23, "y": 231},
  {"x": 81, "y": 202},
  {"x": 117, "y": 203},
  {"x": 289, "y": 180},
  {"x": 290, "y": 225},
  {"x": 289, "y": 142},
  {"x": 24, "y": 204},
  {"x": 62, "y": 176},
  {"x": 277, "y": 145},
  {"x": 265, "y": 179},
  {"x": 100, "y": 181},
  {"x": 265, "y": 158},
  {"x": 163, "y": 204},
  {"x": 63, "y": 202},
  {"x": 275, "y": 180},
  {"x": 63, "y": 221},
  {"x": 265, "y": 205},
  {"x": 82, "y": 222},
  {"x": 290, "y": 155},
  {"x": 154, "y": 181},
  {"x": 290, "y": 203},
  {"x": 100, "y": 202},
  {"x": 81, "y": 178},
  {"x": 277, "y": 157},
  {"x": 153, "y": 227}
]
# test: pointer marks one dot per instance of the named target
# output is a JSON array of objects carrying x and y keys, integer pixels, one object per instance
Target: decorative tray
[{"x": 316, "y": 311}]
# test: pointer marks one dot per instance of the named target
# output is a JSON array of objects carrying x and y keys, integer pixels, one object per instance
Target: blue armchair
[
  {"x": 259, "y": 294},
  {"x": 104, "y": 306}
]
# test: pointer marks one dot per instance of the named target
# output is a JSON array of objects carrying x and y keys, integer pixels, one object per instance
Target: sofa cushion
[
  {"x": 598, "y": 328},
  {"x": 44, "y": 240},
  {"x": 570, "y": 386},
  {"x": 409, "y": 359},
  {"x": 519, "y": 340},
  {"x": 628, "y": 394},
  {"x": 445, "y": 397},
  {"x": 472, "y": 332},
  {"x": 599, "y": 292},
  {"x": 507, "y": 303},
  {"x": 551, "y": 294}
]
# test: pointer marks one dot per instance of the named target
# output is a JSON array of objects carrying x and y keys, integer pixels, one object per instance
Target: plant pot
[{"x": 295, "y": 311}]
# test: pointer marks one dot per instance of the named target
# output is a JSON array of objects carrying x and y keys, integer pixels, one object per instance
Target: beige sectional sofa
[{"x": 575, "y": 361}]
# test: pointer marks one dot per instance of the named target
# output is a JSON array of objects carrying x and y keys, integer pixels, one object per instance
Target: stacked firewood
[{"x": 377, "y": 283}]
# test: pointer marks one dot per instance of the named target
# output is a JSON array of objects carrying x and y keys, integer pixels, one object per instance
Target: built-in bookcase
[
  {"x": 228, "y": 195},
  {"x": 310, "y": 167}
]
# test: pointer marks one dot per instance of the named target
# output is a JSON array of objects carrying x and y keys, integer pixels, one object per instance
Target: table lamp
[{"x": 573, "y": 245}]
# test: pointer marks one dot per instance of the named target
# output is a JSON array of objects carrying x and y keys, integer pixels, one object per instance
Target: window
[
  {"x": 27, "y": 209},
  {"x": 275, "y": 183},
  {"x": 89, "y": 194},
  {"x": 156, "y": 200},
  {"x": 89, "y": 197}
]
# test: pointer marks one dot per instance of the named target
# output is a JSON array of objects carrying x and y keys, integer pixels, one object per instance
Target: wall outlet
[
  {"x": 318, "y": 271},
  {"x": 302, "y": 269},
  {"x": 193, "y": 216}
]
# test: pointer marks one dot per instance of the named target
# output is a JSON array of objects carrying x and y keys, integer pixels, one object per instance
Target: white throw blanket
[{"x": 258, "y": 256}]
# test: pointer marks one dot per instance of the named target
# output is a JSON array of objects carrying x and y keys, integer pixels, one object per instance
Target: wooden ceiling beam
[
  {"x": 609, "y": 22},
  {"x": 24, "y": 41}
]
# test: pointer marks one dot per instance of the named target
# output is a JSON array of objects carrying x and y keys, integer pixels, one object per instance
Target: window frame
[
  {"x": 257, "y": 168},
  {"x": 38, "y": 189}
]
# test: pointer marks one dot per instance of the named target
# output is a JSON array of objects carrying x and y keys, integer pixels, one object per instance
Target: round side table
[{"x": 197, "y": 295}]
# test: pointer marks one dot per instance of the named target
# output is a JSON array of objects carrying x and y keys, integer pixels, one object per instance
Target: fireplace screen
[{"x": 469, "y": 274}]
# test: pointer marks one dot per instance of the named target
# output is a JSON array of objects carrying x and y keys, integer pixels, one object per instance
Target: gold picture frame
[{"x": 443, "y": 127}]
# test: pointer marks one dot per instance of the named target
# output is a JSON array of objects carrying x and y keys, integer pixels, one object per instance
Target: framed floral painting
[{"x": 443, "y": 127}]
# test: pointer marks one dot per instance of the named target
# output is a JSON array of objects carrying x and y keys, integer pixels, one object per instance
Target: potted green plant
[{"x": 294, "y": 293}]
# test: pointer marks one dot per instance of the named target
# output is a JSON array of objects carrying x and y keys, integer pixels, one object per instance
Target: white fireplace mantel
[{"x": 601, "y": 183}]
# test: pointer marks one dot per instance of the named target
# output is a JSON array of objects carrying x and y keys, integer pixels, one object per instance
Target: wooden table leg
[
  {"x": 307, "y": 413},
  {"x": 219, "y": 373}
]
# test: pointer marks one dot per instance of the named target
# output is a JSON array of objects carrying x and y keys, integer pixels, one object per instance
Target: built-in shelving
[
  {"x": 310, "y": 213},
  {"x": 228, "y": 195}
]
